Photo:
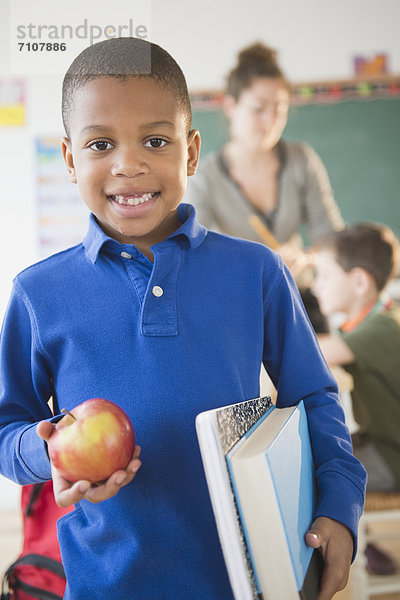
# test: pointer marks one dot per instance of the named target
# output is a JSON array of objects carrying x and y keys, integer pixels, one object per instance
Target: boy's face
[
  {"x": 130, "y": 154},
  {"x": 333, "y": 286}
]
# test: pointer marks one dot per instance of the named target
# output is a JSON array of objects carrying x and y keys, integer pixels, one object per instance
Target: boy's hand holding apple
[{"x": 92, "y": 452}]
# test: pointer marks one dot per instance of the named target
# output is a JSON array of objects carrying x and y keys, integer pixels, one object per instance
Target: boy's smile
[{"x": 130, "y": 154}]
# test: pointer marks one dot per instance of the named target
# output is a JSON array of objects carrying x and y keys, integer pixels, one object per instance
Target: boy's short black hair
[
  {"x": 369, "y": 246},
  {"x": 120, "y": 58}
]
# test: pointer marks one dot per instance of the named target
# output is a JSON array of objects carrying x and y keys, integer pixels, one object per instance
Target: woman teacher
[{"x": 257, "y": 177}]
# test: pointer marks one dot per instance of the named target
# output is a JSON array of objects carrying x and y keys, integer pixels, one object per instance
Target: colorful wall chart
[{"x": 61, "y": 214}]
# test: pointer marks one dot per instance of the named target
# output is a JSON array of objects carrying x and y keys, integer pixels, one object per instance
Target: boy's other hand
[
  {"x": 67, "y": 493},
  {"x": 335, "y": 543}
]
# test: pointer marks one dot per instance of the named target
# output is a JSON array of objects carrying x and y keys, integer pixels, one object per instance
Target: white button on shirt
[
  {"x": 157, "y": 291},
  {"x": 126, "y": 255}
]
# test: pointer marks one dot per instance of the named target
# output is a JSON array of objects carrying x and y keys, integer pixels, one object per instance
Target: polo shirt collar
[{"x": 190, "y": 229}]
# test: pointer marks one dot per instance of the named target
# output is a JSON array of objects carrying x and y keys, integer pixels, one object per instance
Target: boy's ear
[
  {"x": 194, "y": 143},
  {"x": 66, "y": 150},
  {"x": 362, "y": 280}
]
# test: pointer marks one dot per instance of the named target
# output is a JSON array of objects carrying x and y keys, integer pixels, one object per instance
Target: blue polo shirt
[{"x": 164, "y": 341}]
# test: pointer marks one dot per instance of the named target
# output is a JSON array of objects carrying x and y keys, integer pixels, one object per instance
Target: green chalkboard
[{"x": 359, "y": 142}]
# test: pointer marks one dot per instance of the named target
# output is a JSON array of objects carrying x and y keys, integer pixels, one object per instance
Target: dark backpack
[{"x": 38, "y": 572}]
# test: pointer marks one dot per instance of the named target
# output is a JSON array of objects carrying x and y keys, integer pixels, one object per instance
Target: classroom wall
[{"x": 315, "y": 39}]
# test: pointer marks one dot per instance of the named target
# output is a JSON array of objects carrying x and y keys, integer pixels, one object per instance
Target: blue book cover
[{"x": 272, "y": 473}]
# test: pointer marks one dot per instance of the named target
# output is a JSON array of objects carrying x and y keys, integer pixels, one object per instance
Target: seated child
[
  {"x": 167, "y": 319},
  {"x": 353, "y": 267}
]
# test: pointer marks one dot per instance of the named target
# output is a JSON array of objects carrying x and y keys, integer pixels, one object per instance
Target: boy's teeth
[{"x": 133, "y": 200}]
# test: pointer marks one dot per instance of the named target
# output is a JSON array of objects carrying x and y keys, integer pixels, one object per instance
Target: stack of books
[{"x": 260, "y": 475}]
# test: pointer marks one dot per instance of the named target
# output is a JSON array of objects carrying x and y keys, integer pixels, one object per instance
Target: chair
[{"x": 379, "y": 507}]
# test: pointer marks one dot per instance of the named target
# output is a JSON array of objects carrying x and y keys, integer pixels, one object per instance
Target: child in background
[
  {"x": 167, "y": 319},
  {"x": 353, "y": 268}
]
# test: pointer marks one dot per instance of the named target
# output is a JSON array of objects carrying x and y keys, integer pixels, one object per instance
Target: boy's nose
[{"x": 129, "y": 164}]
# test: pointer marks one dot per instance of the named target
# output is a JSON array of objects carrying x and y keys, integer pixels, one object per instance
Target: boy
[
  {"x": 353, "y": 267},
  {"x": 159, "y": 315}
]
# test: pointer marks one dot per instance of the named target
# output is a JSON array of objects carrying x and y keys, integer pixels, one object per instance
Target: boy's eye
[
  {"x": 155, "y": 143},
  {"x": 100, "y": 146}
]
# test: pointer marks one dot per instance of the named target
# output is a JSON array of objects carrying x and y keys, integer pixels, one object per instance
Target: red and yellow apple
[{"x": 92, "y": 441}]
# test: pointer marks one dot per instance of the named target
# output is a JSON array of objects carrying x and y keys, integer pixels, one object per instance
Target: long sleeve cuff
[
  {"x": 34, "y": 463},
  {"x": 340, "y": 499}
]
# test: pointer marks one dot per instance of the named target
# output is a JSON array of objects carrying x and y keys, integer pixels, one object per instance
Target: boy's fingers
[
  {"x": 136, "y": 452},
  {"x": 135, "y": 463},
  {"x": 108, "y": 489},
  {"x": 321, "y": 532},
  {"x": 131, "y": 470},
  {"x": 313, "y": 539},
  {"x": 335, "y": 573},
  {"x": 66, "y": 493},
  {"x": 111, "y": 487},
  {"x": 44, "y": 429},
  {"x": 72, "y": 495},
  {"x": 119, "y": 479},
  {"x": 335, "y": 543}
]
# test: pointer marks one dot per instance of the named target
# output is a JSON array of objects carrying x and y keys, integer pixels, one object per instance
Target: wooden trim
[{"x": 317, "y": 92}]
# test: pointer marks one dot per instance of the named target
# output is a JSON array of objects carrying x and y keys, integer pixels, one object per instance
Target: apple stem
[{"x": 66, "y": 412}]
